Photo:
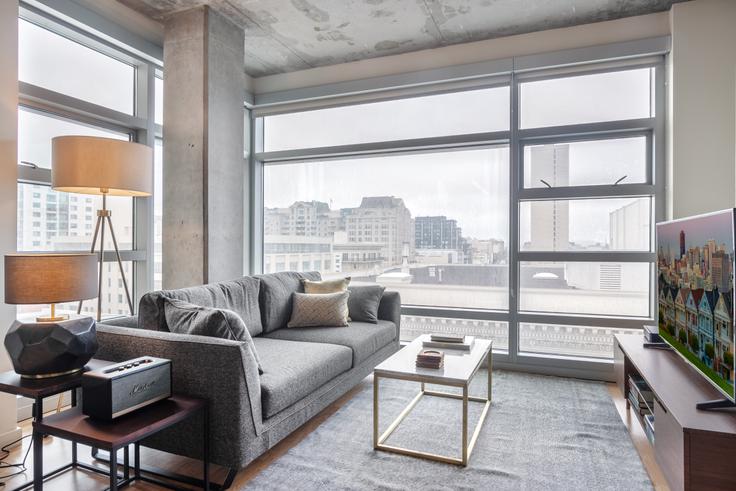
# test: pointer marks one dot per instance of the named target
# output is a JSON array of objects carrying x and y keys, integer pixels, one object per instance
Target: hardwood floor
[{"x": 57, "y": 452}]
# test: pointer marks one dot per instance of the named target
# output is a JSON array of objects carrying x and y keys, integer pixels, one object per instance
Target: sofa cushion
[
  {"x": 363, "y": 338},
  {"x": 293, "y": 370},
  {"x": 364, "y": 301},
  {"x": 186, "y": 318},
  {"x": 326, "y": 286},
  {"x": 275, "y": 296},
  {"x": 240, "y": 296},
  {"x": 319, "y": 309}
]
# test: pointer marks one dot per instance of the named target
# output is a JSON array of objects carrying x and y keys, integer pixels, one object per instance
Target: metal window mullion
[
  {"x": 257, "y": 195},
  {"x": 583, "y": 192},
  {"x": 385, "y": 147},
  {"x": 49, "y": 101},
  {"x": 515, "y": 183},
  {"x": 143, "y": 212},
  {"x": 587, "y": 131},
  {"x": 588, "y": 256},
  {"x": 612, "y": 322},
  {"x": 455, "y": 313}
]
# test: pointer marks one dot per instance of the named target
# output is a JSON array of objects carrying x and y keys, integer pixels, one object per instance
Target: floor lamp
[{"x": 107, "y": 167}]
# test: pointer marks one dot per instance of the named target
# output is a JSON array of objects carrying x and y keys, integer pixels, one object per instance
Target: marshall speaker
[{"x": 118, "y": 389}]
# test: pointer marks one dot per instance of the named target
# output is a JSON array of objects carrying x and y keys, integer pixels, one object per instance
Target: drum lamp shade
[
  {"x": 49, "y": 278},
  {"x": 96, "y": 165}
]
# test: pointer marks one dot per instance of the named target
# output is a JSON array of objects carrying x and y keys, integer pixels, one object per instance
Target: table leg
[
  {"x": 490, "y": 373},
  {"x": 206, "y": 450},
  {"x": 113, "y": 469},
  {"x": 137, "y": 460},
  {"x": 126, "y": 464},
  {"x": 375, "y": 411},
  {"x": 37, "y": 442},
  {"x": 37, "y": 461},
  {"x": 465, "y": 425}
]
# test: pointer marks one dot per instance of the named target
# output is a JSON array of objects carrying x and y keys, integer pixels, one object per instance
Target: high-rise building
[
  {"x": 682, "y": 244},
  {"x": 628, "y": 226},
  {"x": 721, "y": 271},
  {"x": 550, "y": 219},
  {"x": 303, "y": 218},
  {"x": 385, "y": 220}
]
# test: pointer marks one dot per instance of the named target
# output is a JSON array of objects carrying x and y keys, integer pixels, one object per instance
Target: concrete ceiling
[{"x": 287, "y": 35}]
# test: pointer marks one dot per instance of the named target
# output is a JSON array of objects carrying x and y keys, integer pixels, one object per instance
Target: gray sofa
[{"x": 304, "y": 369}]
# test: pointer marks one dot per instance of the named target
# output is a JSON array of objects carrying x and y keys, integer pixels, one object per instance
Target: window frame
[
  {"x": 653, "y": 129},
  {"x": 140, "y": 126}
]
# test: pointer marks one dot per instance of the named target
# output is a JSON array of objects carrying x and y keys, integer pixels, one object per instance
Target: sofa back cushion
[
  {"x": 240, "y": 296},
  {"x": 276, "y": 296}
]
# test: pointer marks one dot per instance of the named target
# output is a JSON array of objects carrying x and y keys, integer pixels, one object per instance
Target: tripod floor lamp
[{"x": 107, "y": 167}]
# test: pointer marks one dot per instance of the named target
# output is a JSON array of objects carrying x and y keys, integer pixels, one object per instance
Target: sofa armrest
[
  {"x": 390, "y": 308},
  {"x": 219, "y": 370},
  {"x": 128, "y": 321}
]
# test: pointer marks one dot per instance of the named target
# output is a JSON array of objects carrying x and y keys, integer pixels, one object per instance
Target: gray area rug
[{"x": 542, "y": 433}]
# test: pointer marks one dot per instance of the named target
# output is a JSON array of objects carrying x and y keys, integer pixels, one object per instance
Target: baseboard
[{"x": 10, "y": 436}]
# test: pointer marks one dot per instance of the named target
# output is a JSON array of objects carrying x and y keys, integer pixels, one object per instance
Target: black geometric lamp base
[{"x": 51, "y": 349}]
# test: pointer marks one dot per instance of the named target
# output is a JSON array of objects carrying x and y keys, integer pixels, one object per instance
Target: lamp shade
[
  {"x": 95, "y": 165},
  {"x": 50, "y": 277}
]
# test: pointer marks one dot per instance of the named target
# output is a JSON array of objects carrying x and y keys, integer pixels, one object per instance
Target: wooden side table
[
  {"x": 130, "y": 429},
  {"x": 38, "y": 390}
]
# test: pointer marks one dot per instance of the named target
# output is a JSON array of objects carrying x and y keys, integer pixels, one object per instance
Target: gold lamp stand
[{"x": 103, "y": 216}]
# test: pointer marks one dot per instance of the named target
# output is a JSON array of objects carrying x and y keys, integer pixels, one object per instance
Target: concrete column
[
  {"x": 204, "y": 165},
  {"x": 9, "y": 430},
  {"x": 702, "y": 108}
]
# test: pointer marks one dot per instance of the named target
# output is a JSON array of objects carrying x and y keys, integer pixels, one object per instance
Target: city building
[{"x": 385, "y": 220}]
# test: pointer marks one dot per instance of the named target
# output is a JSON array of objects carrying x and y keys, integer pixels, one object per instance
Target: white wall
[
  {"x": 8, "y": 189},
  {"x": 702, "y": 108}
]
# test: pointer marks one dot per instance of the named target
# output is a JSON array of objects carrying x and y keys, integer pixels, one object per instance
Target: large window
[
  {"x": 54, "y": 62},
  {"x": 535, "y": 232},
  {"x": 87, "y": 90}
]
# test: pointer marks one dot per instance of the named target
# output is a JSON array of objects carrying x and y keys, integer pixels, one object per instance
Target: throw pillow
[
  {"x": 319, "y": 310},
  {"x": 186, "y": 318},
  {"x": 364, "y": 301},
  {"x": 326, "y": 286}
]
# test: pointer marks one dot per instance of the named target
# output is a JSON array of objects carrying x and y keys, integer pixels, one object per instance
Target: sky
[{"x": 717, "y": 226}]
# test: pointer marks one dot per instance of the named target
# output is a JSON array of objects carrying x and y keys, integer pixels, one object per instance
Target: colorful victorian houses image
[{"x": 695, "y": 261}]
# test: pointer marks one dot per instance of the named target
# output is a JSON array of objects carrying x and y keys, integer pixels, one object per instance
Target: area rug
[{"x": 542, "y": 433}]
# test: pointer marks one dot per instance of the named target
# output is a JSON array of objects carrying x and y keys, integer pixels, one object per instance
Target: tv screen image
[{"x": 695, "y": 296}]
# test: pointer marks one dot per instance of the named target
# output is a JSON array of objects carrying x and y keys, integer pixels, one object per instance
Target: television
[{"x": 695, "y": 296}]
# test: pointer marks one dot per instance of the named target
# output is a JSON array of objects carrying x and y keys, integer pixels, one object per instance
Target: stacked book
[
  {"x": 641, "y": 396},
  {"x": 449, "y": 341},
  {"x": 430, "y": 359}
]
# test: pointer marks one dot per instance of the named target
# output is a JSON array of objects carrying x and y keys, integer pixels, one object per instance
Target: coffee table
[{"x": 459, "y": 369}]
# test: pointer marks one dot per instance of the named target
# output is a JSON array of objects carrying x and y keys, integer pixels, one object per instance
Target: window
[
  {"x": 56, "y": 63},
  {"x": 158, "y": 117},
  {"x": 158, "y": 212},
  {"x": 417, "y": 117},
  {"x": 609, "y": 96},
  {"x": 92, "y": 88},
  {"x": 436, "y": 221},
  {"x": 36, "y": 129},
  {"x": 321, "y": 204}
]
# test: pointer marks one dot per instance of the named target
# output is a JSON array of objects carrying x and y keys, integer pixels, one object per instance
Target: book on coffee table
[
  {"x": 466, "y": 345},
  {"x": 430, "y": 359}
]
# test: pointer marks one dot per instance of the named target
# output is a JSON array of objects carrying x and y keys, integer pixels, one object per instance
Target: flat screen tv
[{"x": 695, "y": 296}]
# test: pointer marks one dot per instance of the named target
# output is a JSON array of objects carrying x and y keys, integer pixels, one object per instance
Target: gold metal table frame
[{"x": 467, "y": 447}]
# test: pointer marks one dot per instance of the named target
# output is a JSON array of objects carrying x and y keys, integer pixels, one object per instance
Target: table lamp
[
  {"x": 102, "y": 166},
  {"x": 54, "y": 345}
]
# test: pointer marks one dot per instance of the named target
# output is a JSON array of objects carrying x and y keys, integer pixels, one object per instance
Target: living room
[{"x": 367, "y": 244}]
